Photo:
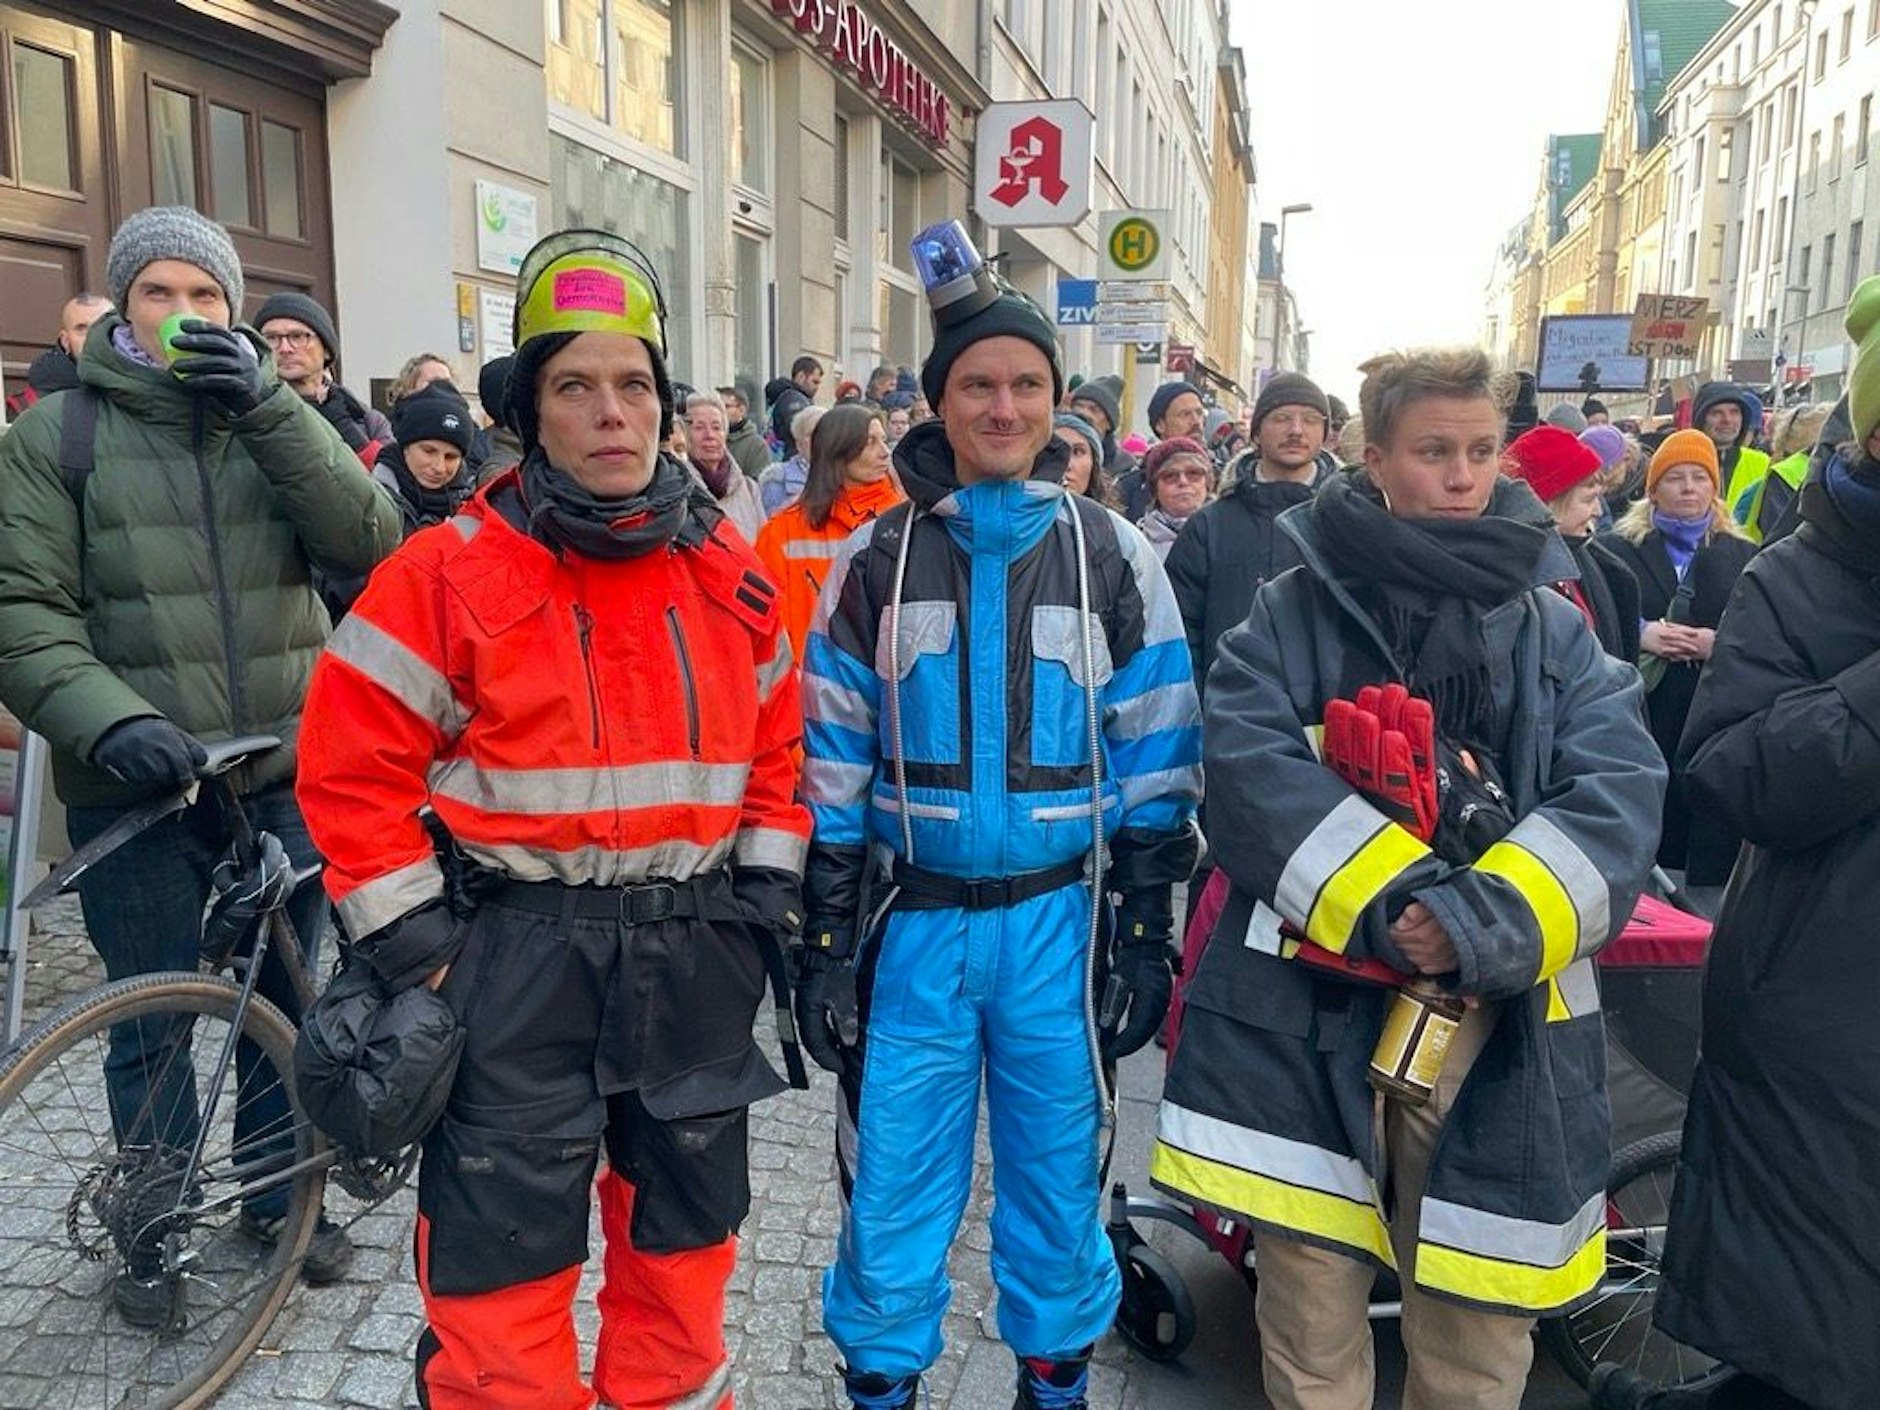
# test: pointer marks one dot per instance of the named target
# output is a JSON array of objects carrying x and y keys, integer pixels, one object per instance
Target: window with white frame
[
  {"x": 615, "y": 62},
  {"x": 898, "y": 313}
]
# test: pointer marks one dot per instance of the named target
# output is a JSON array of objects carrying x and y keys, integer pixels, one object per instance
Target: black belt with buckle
[
  {"x": 922, "y": 890},
  {"x": 642, "y": 903}
]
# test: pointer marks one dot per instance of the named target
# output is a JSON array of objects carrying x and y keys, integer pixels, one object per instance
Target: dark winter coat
[
  {"x": 182, "y": 586},
  {"x": 1227, "y": 550},
  {"x": 1699, "y": 842},
  {"x": 1773, "y": 1261},
  {"x": 1612, "y": 594},
  {"x": 746, "y": 444},
  {"x": 1266, "y": 1114}
]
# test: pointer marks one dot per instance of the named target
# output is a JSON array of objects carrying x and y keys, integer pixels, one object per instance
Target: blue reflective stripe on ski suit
[{"x": 995, "y": 733}]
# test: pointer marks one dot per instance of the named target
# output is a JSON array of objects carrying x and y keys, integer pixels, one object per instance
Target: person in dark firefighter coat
[
  {"x": 969, "y": 649},
  {"x": 584, "y": 673},
  {"x": 1772, "y": 1259},
  {"x": 1421, "y": 567}
]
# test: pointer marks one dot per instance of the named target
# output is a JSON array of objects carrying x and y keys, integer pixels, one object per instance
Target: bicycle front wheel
[{"x": 132, "y": 1275}]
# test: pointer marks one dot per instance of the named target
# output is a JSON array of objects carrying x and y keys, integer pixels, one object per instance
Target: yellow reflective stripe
[
  {"x": 1501, "y": 1283},
  {"x": 1352, "y": 1223},
  {"x": 1359, "y": 882},
  {"x": 1546, "y": 897},
  {"x": 1557, "y": 1011}
]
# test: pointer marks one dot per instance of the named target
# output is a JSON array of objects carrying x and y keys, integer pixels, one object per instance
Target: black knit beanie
[
  {"x": 1290, "y": 389},
  {"x": 493, "y": 388},
  {"x": 1011, "y": 315},
  {"x": 302, "y": 309},
  {"x": 436, "y": 412}
]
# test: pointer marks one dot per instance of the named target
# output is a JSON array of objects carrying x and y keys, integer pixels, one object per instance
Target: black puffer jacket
[
  {"x": 1773, "y": 1262},
  {"x": 1223, "y": 555}
]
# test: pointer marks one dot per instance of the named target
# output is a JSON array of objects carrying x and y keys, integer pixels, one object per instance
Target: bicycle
[{"x": 89, "y": 1196}]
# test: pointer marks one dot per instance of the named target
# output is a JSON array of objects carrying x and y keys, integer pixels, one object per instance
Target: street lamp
[{"x": 1280, "y": 341}]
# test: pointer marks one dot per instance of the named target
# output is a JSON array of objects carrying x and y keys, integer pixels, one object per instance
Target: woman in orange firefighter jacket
[
  {"x": 587, "y": 678},
  {"x": 1424, "y": 568},
  {"x": 850, "y": 482}
]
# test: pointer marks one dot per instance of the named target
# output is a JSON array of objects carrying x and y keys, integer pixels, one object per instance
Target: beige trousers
[{"x": 1315, "y": 1340}]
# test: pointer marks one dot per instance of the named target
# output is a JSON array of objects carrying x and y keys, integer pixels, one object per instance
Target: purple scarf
[{"x": 1683, "y": 537}]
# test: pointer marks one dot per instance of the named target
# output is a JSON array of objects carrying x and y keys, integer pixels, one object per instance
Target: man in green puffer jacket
[{"x": 165, "y": 598}]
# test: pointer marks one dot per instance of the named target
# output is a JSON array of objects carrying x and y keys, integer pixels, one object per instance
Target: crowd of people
[{"x": 902, "y": 704}]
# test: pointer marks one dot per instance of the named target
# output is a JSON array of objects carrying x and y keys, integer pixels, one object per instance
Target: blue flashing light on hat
[{"x": 956, "y": 277}]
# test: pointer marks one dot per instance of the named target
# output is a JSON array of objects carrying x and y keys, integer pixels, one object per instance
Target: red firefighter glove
[{"x": 1384, "y": 745}]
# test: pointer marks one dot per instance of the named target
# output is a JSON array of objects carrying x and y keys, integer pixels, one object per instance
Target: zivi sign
[{"x": 844, "y": 32}]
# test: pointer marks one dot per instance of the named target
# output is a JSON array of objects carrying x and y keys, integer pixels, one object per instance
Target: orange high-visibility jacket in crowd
[
  {"x": 798, "y": 556},
  {"x": 569, "y": 718}
]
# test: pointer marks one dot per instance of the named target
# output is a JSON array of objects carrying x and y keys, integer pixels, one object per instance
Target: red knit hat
[
  {"x": 1551, "y": 460},
  {"x": 1164, "y": 451}
]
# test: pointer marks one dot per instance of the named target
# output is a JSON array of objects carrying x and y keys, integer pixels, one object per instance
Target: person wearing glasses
[
  {"x": 584, "y": 673},
  {"x": 1233, "y": 545},
  {"x": 1180, "y": 475},
  {"x": 162, "y": 596},
  {"x": 305, "y": 343}
]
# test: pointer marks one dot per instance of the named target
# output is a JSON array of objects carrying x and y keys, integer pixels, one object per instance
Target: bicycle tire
[
  {"x": 69, "y": 1198},
  {"x": 1616, "y": 1324}
]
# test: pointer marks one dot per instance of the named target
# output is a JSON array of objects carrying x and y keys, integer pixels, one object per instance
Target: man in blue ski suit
[{"x": 952, "y": 693}]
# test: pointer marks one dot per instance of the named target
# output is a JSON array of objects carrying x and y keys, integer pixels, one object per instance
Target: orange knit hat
[{"x": 1685, "y": 448}]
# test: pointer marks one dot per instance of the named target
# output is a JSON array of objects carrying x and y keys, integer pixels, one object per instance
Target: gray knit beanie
[{"x": 172, "y": 232}]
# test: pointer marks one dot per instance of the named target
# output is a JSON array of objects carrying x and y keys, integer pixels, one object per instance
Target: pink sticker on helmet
[{"x": 590, "y": 291}]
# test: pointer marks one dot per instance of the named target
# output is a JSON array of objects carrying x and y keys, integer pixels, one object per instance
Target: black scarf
[
  {"x": 429, "y": 506},
  {"x": 1432, "y": 581},
  {"x": 565, "y": 516}
]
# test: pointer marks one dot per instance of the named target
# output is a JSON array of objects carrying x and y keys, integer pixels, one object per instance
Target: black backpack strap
[{"x": 78, "y": 441}]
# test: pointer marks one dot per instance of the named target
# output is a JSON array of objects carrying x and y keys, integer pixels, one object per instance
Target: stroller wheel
[{"x": 1157, "y": 1316}]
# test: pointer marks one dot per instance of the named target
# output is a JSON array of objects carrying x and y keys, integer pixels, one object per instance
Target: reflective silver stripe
[
  {"x": 837, "y": 580},
  {"x": 940, "y": 812},
  {"x": 559, "y": 792},
  {"x": 812, "y": 548},
  {"x": 1578, "y": 877},
  {"x": 770, "y": 847},
  {"x": 674, "y": 860},
  {"x": 1508, "y": 1239},
  {"x": 1263, "y": 930},
  {"x": 1161, "y": 616},
  {"x": 394, "y": 667},
  {"x": 1579, "y": 988},
  {"x": 708, "y": 1396},
  {"x": 1164, "y": 708},
  {"x": 1061, "y": 812},
  {"x": 384, "y": 899},
  {"x": 1184, "y": 782},
  {"x": 1339, "y": 837},
  {"x": 828, "y": 703},
  {"x": 1294, "y": 1162},
  {"x": 834, "y": 783},
  {"x": 468, "y": 526},
  {"x": 776, "y": 668}
]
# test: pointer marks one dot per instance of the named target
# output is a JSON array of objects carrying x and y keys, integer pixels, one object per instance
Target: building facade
[{"x": 773, "y": 158}]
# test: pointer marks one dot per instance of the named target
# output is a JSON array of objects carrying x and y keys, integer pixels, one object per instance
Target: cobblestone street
[{"x": 351, "y": 1344}]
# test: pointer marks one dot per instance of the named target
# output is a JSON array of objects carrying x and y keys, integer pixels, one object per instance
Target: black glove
[
  {"x": 149, "y": 750},
  {"x": 416, "y": 945},
  {"x": 828, "y": 1016},
  {"x": 220, "y": 363},
  {"x": 773, "y": 897},
  {"x": 1144, "y": 965}
]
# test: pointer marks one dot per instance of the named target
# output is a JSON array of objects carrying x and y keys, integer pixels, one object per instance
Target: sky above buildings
[{"x": 1415, "y": 132}]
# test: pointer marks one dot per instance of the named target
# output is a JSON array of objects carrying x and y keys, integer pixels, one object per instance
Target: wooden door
[
  {"x": 249, "y": 151},
  {"x": 56, "y": 206}
]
